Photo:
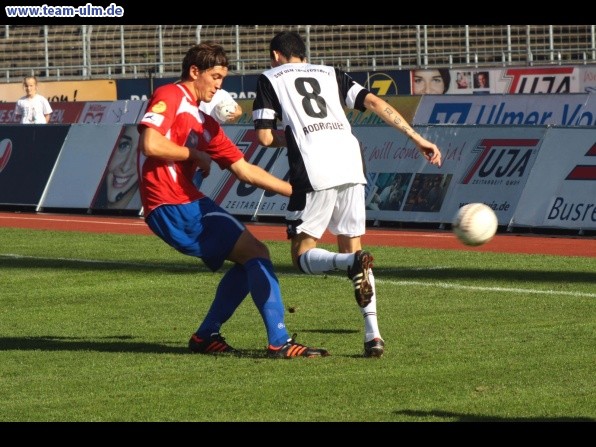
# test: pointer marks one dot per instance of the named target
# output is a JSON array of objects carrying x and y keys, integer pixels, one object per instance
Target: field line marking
[
  {"x": 378, "y": 280},
  {"x": 444, "y": 285}
]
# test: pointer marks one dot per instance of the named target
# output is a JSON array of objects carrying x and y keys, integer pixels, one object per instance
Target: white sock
[
  {"x": 371, "y": 325},
  {"x": 317, "y": 260}
]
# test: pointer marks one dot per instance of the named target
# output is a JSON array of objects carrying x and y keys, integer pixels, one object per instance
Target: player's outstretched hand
[{"x": 431, "y": 152}]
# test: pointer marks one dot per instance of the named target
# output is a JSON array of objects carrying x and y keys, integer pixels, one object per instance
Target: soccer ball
[
  {"x": 224, "y": 109},
  {"x": 475, "y": 224}
]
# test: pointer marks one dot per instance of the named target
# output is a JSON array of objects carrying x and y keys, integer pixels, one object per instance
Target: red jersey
[{"x": 174, "y": 113}]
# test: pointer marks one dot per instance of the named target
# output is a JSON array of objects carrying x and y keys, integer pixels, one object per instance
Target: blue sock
[
  {"x": 232, "y": 289},
  {"x": 264, "y": 288}
]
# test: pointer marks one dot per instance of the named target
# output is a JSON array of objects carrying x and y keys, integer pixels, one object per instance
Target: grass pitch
[{"x": 95, "y": 328}]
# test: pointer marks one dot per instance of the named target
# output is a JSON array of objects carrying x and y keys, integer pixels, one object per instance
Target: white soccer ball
[
  {"x": 224, "y": 110},
  {"x": 475, "y": 224}
]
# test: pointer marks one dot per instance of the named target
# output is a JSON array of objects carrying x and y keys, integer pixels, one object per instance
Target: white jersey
[
  {"x": 209, "y": 107},
  {"x": 33, "y": 110},
  {"x": 308, "y": 99}
]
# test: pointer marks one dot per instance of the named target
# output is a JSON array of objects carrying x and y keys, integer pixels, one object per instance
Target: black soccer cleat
[
  {"x": 374, "y": 348},
  {"x": 292, "y": 349},
  {"x": 358, "y": 273},
  {"x": 215, "y": 344}
]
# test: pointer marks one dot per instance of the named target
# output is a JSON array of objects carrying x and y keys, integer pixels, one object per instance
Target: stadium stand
[{"x": 121, "y": 51}]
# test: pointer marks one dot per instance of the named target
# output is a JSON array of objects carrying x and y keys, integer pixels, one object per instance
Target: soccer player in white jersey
[{"x": 326, "y": 166}]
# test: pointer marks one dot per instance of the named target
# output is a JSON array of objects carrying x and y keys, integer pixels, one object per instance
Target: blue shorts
[{"x": 200, "y": 228}]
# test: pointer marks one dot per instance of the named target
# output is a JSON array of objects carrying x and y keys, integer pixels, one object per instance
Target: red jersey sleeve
[
  {"x": 220, "y": 148},
  {"x": 161, "y": 109}
]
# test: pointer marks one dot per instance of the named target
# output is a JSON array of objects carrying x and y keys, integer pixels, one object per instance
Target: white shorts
[{"x": 341, "y": 210}]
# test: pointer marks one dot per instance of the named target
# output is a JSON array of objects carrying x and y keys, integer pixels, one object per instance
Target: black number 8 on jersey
[{"x": 300, "y": 84}]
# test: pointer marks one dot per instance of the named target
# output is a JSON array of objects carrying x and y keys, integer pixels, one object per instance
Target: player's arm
[
  {"x": 153, "y": 144},
  {"x": 224, "y": 98},
  {"x": 271, "y": 138},
  {"x": 387, "y": 113},
  {"x": 235, "y": 115},
  {"x": 257, "y": 176},
  {"x": 47, "y": 110},
  {"x": 264, "y": 115},
  {"x": 225, "y": 115}
]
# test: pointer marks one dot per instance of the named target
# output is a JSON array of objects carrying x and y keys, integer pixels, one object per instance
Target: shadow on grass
[
  {"x": 99, "y": 344},
  {"x": 121, "y": 344},
  {"x": 393, "y": 272},
  {"x": 98, "y": 265},
  {"x": 330, "y": 331},
  {"x": 461, "y": 417}
]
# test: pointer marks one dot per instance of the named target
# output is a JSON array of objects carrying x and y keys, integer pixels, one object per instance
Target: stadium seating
[{"x": 118, "y": 51}]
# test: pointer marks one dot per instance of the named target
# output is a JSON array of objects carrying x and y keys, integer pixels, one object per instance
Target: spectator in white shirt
[{"x": 32, "y": 108}]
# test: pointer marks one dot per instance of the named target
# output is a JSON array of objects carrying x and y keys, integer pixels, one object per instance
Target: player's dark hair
[
  {"x": 204, "y": 56},
  {"x": 289, "y": 44}
]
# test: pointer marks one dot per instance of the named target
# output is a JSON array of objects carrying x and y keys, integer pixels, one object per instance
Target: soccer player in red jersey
[{"x": 176, "y": 140}]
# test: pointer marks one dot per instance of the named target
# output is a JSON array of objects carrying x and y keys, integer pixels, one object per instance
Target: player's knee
[
  {"x": 248, "y": 246},
  {"x": 260, "y": 249}
]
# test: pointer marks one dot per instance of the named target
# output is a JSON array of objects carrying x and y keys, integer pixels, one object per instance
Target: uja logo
[
  {"x": 5, "y": 151},
  {"x": 584, "y": 172},
  {"x": 500, "y": 159},
  {"x": 539, "y": 80}
]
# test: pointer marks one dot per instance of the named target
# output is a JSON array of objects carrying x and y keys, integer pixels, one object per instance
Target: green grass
[{"x": 95, "y": 328}]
